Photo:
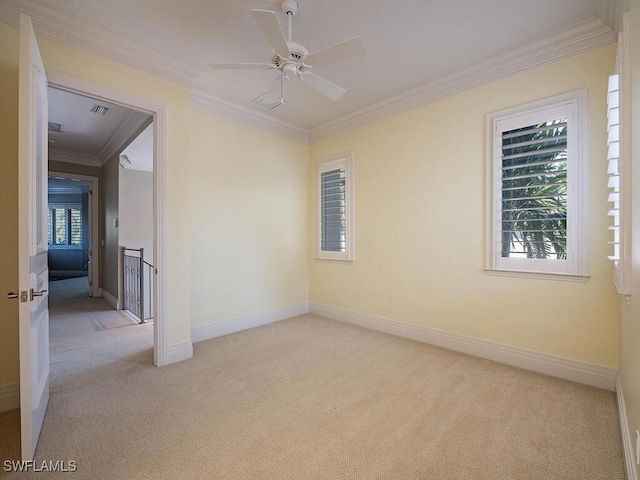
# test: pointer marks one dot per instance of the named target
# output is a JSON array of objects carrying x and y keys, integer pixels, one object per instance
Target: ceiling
[
  {"x": 57, "y": 185},
  {"x": 417, "y": 50},
  {"x": 89, "y": 131}
]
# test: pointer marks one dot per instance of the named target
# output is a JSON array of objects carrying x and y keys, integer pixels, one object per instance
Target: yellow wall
[
  {"x": 82, "y": 65},
  {"x": 630, "y": 311},
  {"x": 420, "y": 224},
  {"x": 9, "y": 373},
  {"x": 236, "y": 204},
  {"x": 241, "y": 215},
  {"x": 249, "y": 222}
]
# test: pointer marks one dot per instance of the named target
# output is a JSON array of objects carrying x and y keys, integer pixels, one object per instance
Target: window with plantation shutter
[
  {"x": 65, "y": 226},
  {"x": 618, "y": 169},
  {"x": 335, "y": 208},
  {"x": 536, "y": 188}
]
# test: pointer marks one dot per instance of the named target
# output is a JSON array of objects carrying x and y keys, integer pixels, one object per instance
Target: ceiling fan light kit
[{"x": 289, "y": 58}]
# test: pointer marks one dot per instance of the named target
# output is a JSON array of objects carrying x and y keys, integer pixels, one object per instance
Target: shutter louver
[
  {"x": 534, "y": 191},
  {"x": 333, "y": 211},
  {"x": 613, "y": 158},
  {"x": 75, "y": 224}
]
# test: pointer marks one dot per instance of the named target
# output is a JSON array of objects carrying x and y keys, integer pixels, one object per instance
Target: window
[
  {"x": 65, "y": 226},
  {"x": 536, "y": 189},
  {"x": 335, "y": 208},
  {"x": 618, "y": 167}
]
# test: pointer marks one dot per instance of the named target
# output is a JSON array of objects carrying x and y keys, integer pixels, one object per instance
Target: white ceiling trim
[
  {"x": 572, "y": 41},
  {"x": 97, "y": 40},
  {"x": 133, "y": 125},
  {"x": 58, "y": 155},
  {"x": 246, "y": 115},
  {"x": 578, "y": 39}
]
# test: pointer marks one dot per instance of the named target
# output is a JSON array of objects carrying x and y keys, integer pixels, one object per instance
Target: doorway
[
  {"x": 73, "y": 230},
  {"x": 151, "y": 112}
]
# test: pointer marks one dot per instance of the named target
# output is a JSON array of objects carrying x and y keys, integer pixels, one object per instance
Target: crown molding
[
  {"x": 92, "y": 38},
  {"x": 130, "y": 128},
  {"x": 66, "y": 156},
  {"x": 566, "y": 43},
  {"x": 580, "y": 38},
  {"x": 611, "y": 14},
  {"x": 244, "y": 114}
]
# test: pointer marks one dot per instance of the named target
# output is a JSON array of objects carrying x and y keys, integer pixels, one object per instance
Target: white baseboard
[
  {"x": 206, "y": 332},
  {"x": 110, "y": 299},
  {"x": 628, "y": 449},
  {"x": 177, "y": 353},
  {"x": 130, "y": 315},
  {"x": 577, "y": 371},
  {"x": 9, "y": 397}
]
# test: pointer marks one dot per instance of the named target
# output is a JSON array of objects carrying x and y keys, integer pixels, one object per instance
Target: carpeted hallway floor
[{"x": 312, "y": 398}]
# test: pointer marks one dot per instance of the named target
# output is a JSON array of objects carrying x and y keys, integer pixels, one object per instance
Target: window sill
[
  {"x": 341, "y": 260},
  {"x": 565, "y": 277}
]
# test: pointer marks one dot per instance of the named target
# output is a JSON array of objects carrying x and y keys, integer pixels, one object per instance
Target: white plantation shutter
[
  {"x": 536, "y": 188},
  {"x": 613, "y": 158},
  {"x": 619, "y": 167},
  {"x": 65, "y": 225},
  {"x": 534, "y": 191},
  {"x": 335, "y": 208}
]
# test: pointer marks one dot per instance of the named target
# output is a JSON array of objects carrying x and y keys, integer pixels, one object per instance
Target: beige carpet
[{"x": 312, "y": 398}]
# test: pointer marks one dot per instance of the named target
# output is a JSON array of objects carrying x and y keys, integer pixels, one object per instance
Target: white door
[{"x": 33, "y": 276}]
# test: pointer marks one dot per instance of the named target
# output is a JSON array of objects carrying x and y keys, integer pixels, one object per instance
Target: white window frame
[
  {"x": 344, "y": 162},
  {"x": 573, "y": 105},
  {"x": 67, "y": 245}
]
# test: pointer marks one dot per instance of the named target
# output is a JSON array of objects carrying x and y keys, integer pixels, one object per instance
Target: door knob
[
  {"x": 12, "y": 295},
  {"x": 37, "y": 294}
]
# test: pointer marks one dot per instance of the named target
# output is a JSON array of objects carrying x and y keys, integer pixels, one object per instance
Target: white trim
[
  {"x": 130, "y": 315},
  {"x": 574, "y": 370},
  {"x": 178, "y": 352},
  {"x": 110, "y": 299},
  {"x": 344, "y": 161},
  {"x": 159, "y": 112},
  {"x": 247, "y": 115},
  {"x": 214, "y": 330},
  {"x": 94, "y": 220},
  {"x": 9, "y": 397},
  {"x": 574, "y": 106},
  {"x": 540, "y": 275},
  {"x": 66, "y": 156},
  {"x": 134, "y": 123},
  {"x": 566, "y": 43},
  {"x": 628, "y": 449},
  {"x": 97, "y": 40}
]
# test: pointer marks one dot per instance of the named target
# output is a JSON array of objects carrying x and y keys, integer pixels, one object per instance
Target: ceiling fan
[{"x": 290, "y": 58}]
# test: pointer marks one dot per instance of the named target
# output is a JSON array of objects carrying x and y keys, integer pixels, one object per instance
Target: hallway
[
  {"x": 85, "y": 332},
  {"x": 86, "y": 336}
]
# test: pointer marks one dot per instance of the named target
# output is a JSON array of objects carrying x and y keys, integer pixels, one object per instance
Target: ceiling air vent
[
  {"x": 55, "y": 127},
  {"x": 99, "y": 109}
]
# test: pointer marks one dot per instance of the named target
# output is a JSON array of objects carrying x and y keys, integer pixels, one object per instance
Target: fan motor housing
[{"x": 298, "y": 54}]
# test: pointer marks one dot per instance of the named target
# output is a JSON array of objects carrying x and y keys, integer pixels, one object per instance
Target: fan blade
[
  {"x": 323, "y": 85},
  {"x": 274, "y": 94},
  {"x": 217, "y": 65},
  {"x": 268, "y": 21},
  {"x": 354, "y": 47}
]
